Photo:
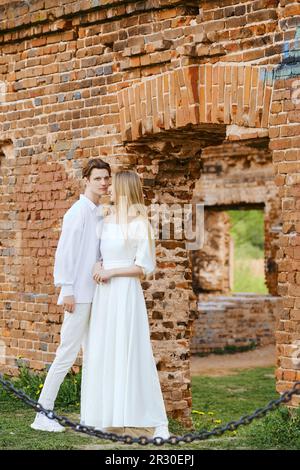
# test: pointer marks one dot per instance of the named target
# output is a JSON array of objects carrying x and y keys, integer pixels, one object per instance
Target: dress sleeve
[
  {"x": 67, "y": 252},
  {"x": 145, "y": 253}
]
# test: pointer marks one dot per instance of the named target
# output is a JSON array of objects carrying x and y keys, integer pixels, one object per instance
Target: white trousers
[{"x": 72, "y": 336}]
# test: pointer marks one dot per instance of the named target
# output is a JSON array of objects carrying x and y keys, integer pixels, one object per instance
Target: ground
[{"x": 216, "y": 365}]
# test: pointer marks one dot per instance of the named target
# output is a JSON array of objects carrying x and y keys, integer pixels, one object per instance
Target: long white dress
[{"x": 120, "y": 383}]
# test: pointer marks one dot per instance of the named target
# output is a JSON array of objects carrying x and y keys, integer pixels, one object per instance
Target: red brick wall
[{"x": 63, "y": 69}]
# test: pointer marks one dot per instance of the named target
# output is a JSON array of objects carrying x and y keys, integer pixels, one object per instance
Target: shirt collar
[{"x": 90, "y": 203}]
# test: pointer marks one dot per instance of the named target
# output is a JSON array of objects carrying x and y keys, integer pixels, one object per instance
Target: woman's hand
[{"x": 102, "y": 275}]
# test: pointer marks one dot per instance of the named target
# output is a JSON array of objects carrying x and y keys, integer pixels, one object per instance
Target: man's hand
[
  {"x": 96, "y": 270},
  {"x": 69, "y": 303}
]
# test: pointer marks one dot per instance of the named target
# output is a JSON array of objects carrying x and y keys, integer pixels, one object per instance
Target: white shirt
[{"x": 77, "y": 251}]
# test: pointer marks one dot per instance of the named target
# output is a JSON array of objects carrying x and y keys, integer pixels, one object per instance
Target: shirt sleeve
[
  {"x": 99, "y": 254},
  {"x": 145, "y": 253},
  {"x": 66, "y": 252},
  {"x": 99, "y": 228}
]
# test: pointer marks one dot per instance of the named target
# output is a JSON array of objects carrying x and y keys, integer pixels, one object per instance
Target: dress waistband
[{"x": 120, "y": 263}]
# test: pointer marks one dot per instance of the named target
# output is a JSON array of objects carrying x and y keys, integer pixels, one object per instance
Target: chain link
[{"x": 143, "y": 440}]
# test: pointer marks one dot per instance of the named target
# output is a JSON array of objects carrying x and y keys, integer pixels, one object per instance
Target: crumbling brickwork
[
  {"x": 234, "y": 176},
  {"x": 239, "y": 320},
  {"x": 145, "y": 84}
]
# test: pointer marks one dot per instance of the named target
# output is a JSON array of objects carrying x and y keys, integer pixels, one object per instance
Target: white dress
[{"x": 120, "y": 383}]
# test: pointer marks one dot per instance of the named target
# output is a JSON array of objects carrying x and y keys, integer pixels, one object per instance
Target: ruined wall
[
  {"x": 234, "y": 320},
  {"x": 237, "y": 175},
  {"x": 211, "y": 264},
  {"x": 64, "y": 68}
]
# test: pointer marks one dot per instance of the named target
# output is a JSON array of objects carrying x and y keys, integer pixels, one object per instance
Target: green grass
[
  {"x": 215, "y": 399},
  {"x": 231, "y": 396},
  {"x": 247, "y": 231},
  {"x": 247, "y": 228},
  {"x": 69, "y": 392},
  {"x": 15, "y": 433},
  {"x": 245, "y": 281}
]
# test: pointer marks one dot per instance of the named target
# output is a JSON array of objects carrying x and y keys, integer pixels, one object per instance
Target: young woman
[{"x": 120, "y": 384}]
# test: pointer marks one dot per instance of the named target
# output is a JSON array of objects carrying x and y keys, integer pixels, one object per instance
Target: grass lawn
[
  {"x": 216, "y": 400},
  {"x": 247, "y": 232}
]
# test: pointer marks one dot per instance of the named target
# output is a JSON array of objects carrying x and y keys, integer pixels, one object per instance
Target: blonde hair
[{"x": 129, "y": 199}]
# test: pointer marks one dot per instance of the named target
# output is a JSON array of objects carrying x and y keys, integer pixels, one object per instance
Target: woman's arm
[{"x": 103, "y": 275}]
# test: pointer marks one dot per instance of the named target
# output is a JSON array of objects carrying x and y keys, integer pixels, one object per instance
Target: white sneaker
[
  {"x": 161, "y": 431},
  {"x": 43, "y": 423}
]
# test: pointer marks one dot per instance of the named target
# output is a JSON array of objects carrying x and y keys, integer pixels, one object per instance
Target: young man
[{"x": 76, "y": 254}]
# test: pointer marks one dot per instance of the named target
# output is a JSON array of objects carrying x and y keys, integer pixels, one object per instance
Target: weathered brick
[{"x": 132, "y": 72}]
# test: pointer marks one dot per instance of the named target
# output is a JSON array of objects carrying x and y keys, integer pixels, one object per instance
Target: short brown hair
[{"x": 95, "y": 163}]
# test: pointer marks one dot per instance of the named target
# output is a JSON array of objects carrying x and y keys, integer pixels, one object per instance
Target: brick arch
[{"x": 198, "y": 94}]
